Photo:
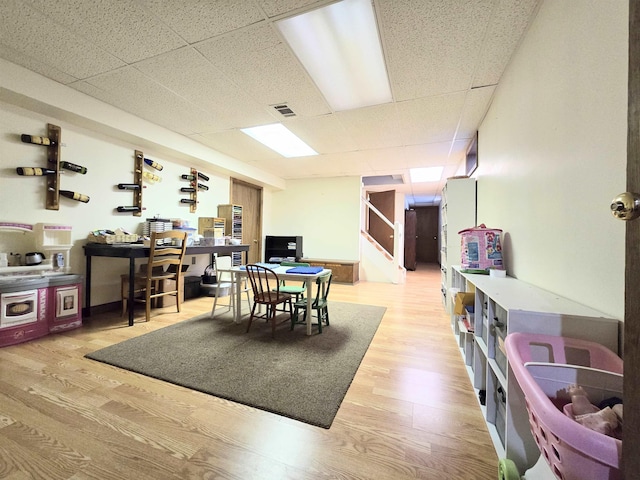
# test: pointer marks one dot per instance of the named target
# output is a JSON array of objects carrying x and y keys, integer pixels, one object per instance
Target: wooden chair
[
  {"x": 139, "y": 285},
  {"x": 266, "y": 291},
  {"x": 160, "y": 256},
  {"x": 320, "y": 304},
  {"x": 225, "y": 285}
]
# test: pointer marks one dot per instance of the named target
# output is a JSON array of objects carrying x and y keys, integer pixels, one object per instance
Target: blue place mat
[{"x": 307, "y": 270}]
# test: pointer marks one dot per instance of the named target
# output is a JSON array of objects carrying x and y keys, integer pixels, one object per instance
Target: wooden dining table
[{"x": 239, "y": 273}]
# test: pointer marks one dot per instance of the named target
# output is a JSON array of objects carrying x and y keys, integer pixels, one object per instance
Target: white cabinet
[
  {"x": 457, "y": 212},
  {"x": 232, "y": 215},
  {"x": 506, "y": 305}
]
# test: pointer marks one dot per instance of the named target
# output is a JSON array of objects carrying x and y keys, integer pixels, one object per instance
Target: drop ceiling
[{"x": 206, "y": 68}]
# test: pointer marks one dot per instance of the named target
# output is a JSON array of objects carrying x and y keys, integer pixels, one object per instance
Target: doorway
[
  {"x": 250, "y": 197},
  {"x": 427, "y": 227}
]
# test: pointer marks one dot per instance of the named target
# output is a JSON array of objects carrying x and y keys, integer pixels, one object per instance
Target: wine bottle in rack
[
  {"x": 187, "y": 200},
  {"x": 128, "y": 186},
  {"x": 188, "y": 177},
  {"x": 203, "y": 176},
  {"x": 151, "y": 176},
  {"x": 131, "y": 208},
  {"x": 34, "y": 171},
  {"x": 153, "y": 164},
  {"x": 37, "y": 140},
  {"x": 187, "y": 189},
  {"x": 80, "y": 197},
  {"x": 202, "y": 186},
  {"x": 73, "y": 167}
]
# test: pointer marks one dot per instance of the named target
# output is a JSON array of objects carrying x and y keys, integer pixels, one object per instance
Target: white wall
[
  {"x": 325, "y": 211},
  {"x": 552, "y": 153}
]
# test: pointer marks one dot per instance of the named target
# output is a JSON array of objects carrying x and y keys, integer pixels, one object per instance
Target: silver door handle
[{"x": 626, "y": 206}]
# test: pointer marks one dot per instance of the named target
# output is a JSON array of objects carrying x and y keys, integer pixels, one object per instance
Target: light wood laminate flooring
[{"x": 410, "y": 412}]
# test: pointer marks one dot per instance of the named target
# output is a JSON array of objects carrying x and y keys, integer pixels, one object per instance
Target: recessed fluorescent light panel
[
  {"x": 429, "y": 174},
  {"x": 280, "y": 139},
  {"x": 340, "y": 48}
]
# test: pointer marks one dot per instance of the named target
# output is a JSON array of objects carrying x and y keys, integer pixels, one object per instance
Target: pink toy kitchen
[{"x": 39, "y": 295}]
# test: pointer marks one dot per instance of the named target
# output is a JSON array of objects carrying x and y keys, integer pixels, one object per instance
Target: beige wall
[
  {"x": 325, "y": 211},
  {"x": 552, "y": 153}
]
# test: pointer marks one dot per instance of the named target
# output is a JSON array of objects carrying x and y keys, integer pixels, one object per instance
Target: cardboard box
[{"x": 463, "y": 299}]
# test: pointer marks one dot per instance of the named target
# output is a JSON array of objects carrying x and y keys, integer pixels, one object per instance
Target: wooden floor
[{"x": 409, "y": 413}]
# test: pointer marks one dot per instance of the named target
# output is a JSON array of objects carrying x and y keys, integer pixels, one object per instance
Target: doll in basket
[{"x": 606, "y": 420}]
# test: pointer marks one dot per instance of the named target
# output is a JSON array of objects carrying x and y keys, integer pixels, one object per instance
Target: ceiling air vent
[{"x": 284, "y": 110}]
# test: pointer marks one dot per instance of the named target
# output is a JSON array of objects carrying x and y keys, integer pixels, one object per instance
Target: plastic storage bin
[
  {"x": 544, "y": 367},
  {"x": 481, "y": 249}
]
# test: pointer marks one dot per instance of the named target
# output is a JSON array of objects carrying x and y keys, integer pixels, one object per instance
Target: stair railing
[{"x": 398, "y": 230}]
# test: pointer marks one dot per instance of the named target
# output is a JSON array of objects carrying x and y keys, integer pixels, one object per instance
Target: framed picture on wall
[{"x": 471, "y": 162}]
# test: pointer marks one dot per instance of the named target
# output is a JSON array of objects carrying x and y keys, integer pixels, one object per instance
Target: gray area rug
[{"x": 295, "y": 375}]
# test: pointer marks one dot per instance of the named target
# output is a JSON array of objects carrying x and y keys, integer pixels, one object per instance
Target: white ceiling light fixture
[
  {"x": 280, "y": 139},
  {"x": 428, "y": 174},
  {"x": 340, "y": 48}
]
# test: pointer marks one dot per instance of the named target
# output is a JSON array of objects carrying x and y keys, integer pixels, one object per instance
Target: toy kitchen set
[{"x": 38, "y": 294}]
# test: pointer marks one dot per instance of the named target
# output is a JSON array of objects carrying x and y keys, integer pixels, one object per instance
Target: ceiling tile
[
  {"x": 191, "y": 76},
  {"x": 239, "y": 145},
  {"x": 325, "y": 133},
  {"x": 432, "y": 46},
  {"x": 475, "y": 107},
  {"x": 27, "y": 31},
  {"x": 278, "y": 7},
  {"x": 133, "y": 92},
  {"x": 372, "y": 127},
  {"x": 430, "y": 119},
  {"x": 510, "y": 21},
  {"x": 435, "y": 154},
  {"x": 35, "y": 65},
  {"x": 196, "y": 20},
  {"x": 124, "y": 29},
  {"x": 257, "y": 61}
]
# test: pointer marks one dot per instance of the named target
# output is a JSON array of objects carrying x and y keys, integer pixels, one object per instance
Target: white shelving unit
[
  {"x": 232, "y": 215},
  {"x": 503, "y": 306},
  {"x": 457, "y": 212}
]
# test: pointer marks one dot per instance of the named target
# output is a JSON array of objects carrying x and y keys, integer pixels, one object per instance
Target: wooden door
[
  {"x": 250, "y": 197},
  {"x": 427, "y": 231},
  {"x": 410, "y": 239},
  {"x": 385, "y": 202},
  {"x": 631, "y": 444}
]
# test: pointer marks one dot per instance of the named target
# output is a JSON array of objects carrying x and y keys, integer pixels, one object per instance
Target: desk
[
  {"x": 136, "y": 250},
  {"x": 310, "y": 279}
]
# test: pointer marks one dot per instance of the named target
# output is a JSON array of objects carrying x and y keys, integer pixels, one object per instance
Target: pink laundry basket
[{"x": 544, "y": 367}]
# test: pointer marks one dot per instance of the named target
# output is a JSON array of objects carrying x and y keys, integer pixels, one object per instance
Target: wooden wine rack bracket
[
  {"x": 194, "y": 195},
  {"x": 137, "y": 179},
  {"x": 53, "y": 157}
]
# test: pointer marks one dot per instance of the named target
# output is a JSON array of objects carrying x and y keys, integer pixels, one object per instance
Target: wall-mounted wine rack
[
  {"x": 53, "y": 142},
  {"x": 194, "y": 185},
  {"x": 53, "y": 157},
  {"x": 135, "y": 187}
]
